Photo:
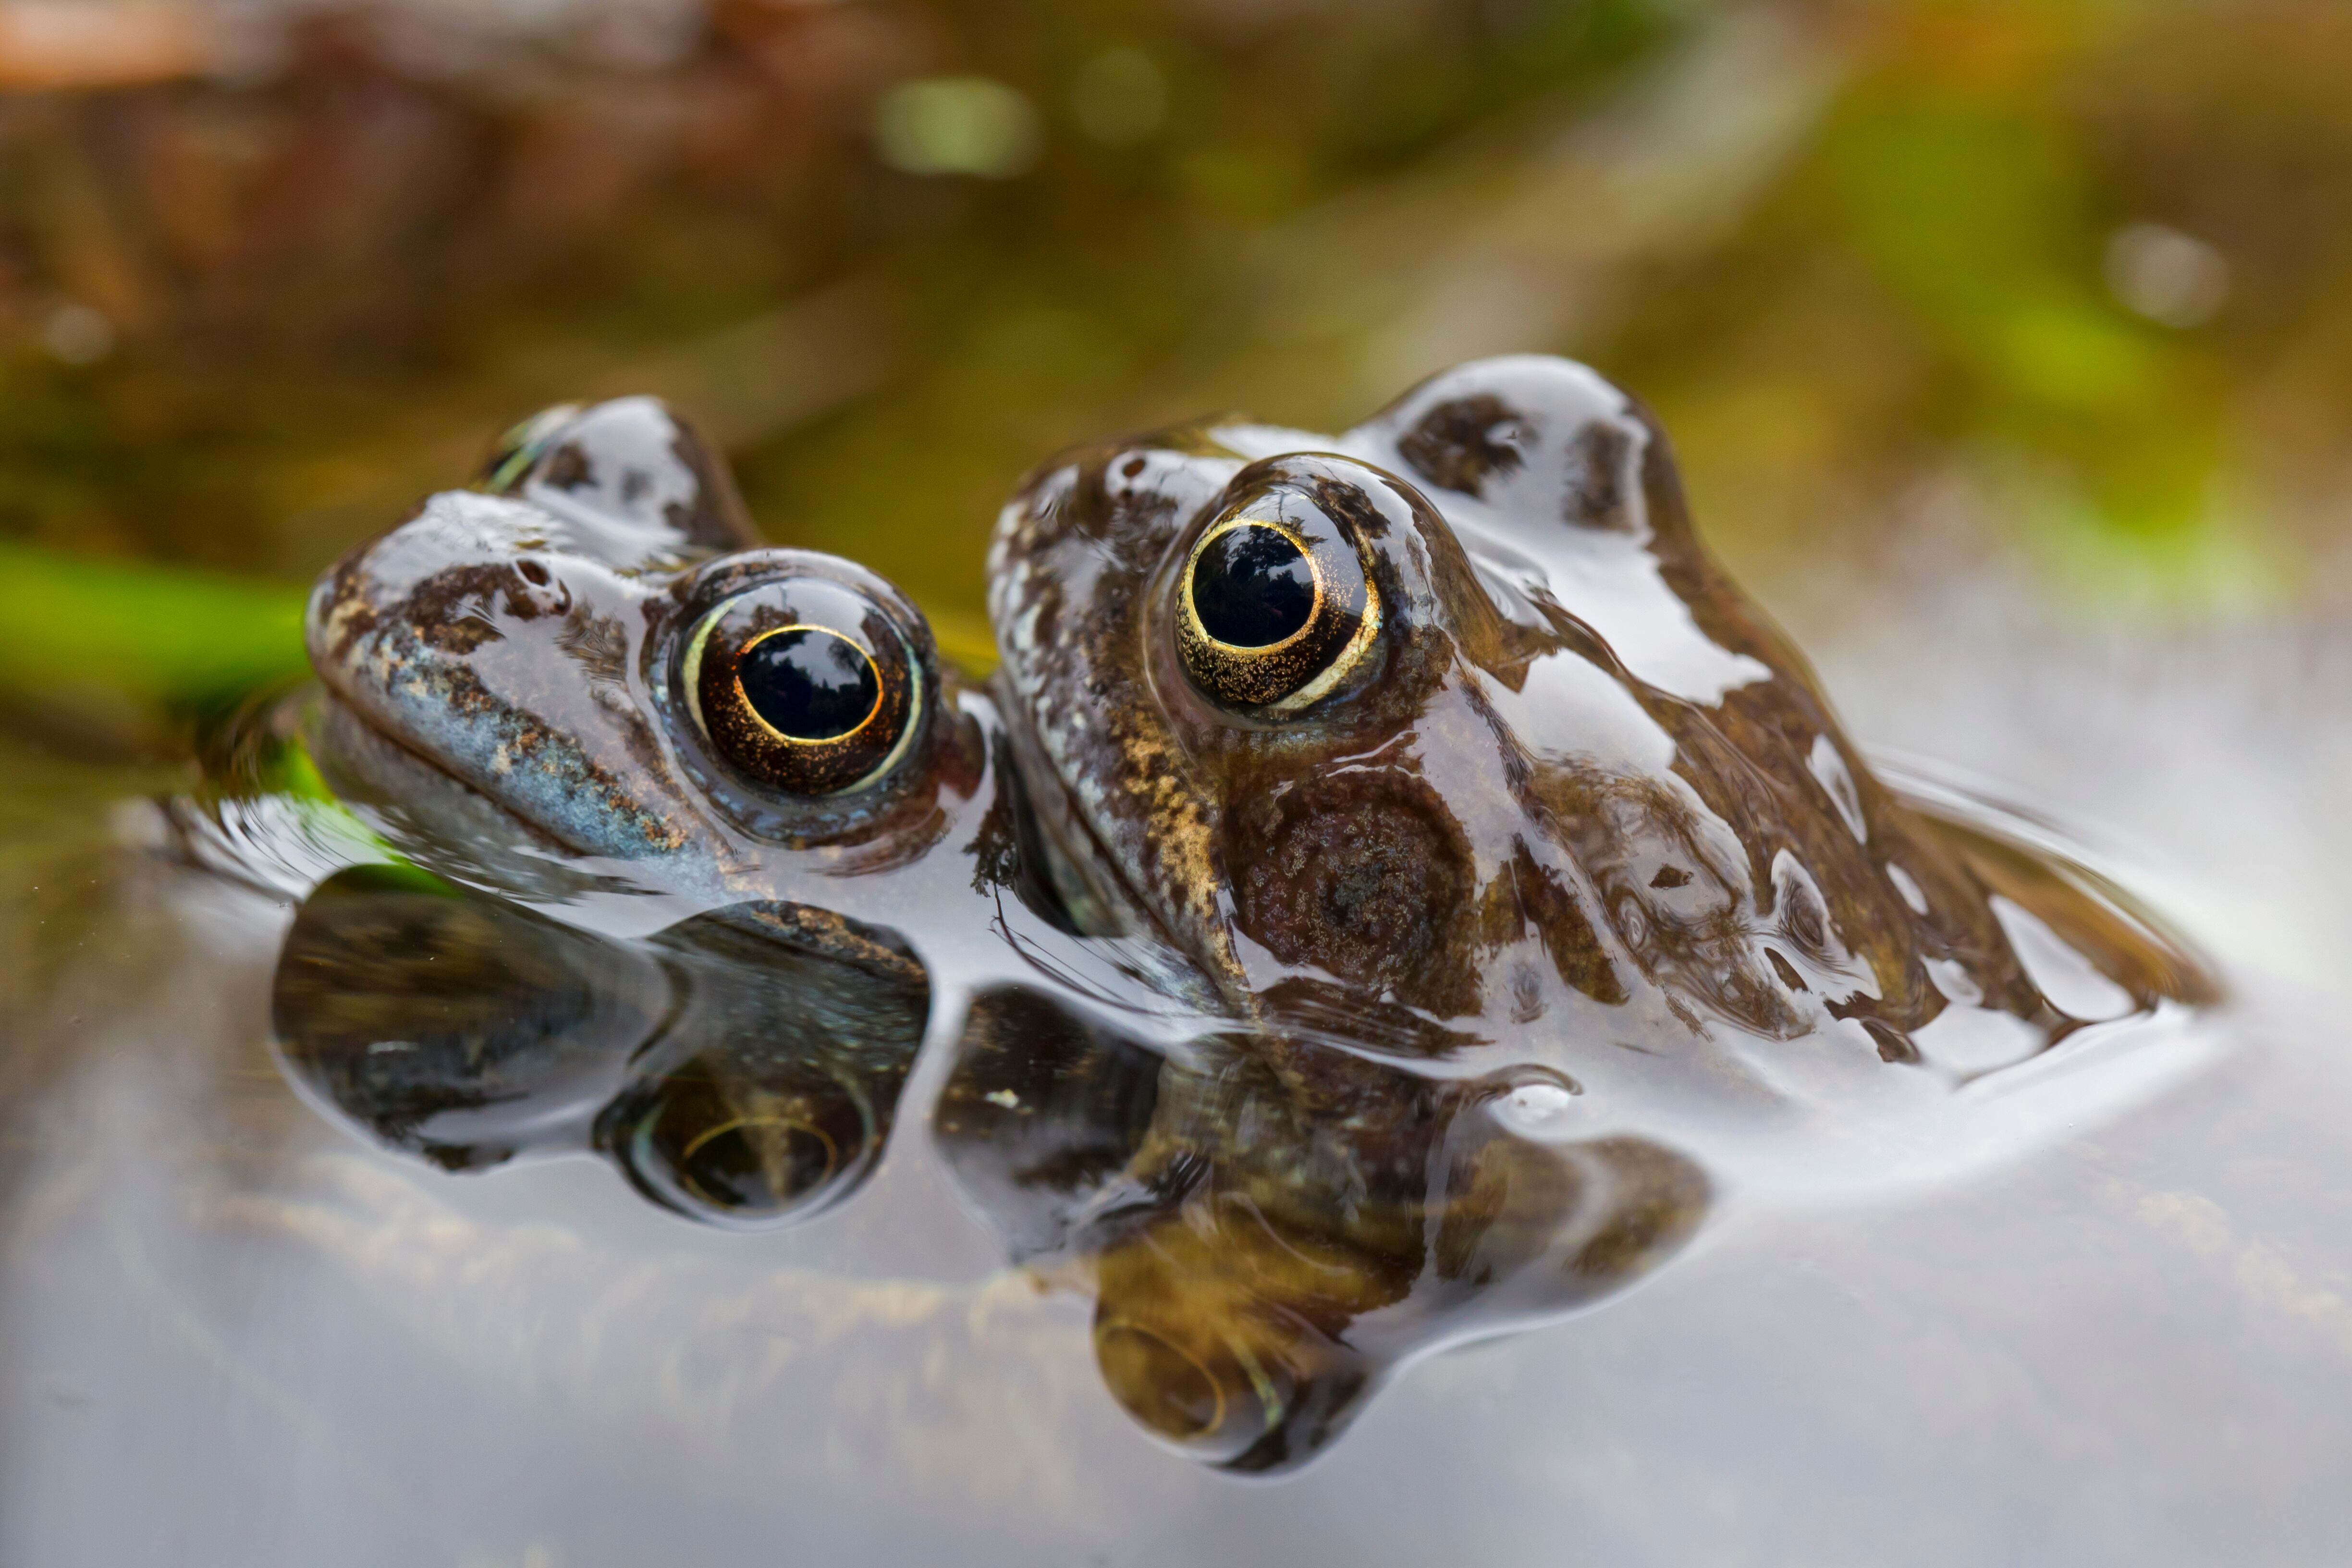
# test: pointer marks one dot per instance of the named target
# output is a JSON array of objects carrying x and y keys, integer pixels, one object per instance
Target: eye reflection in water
[
  {"x": 1264, "y": 1249},
  {"x": 1264, "y": 1245},
  {"x": 742, "y": 1067}
]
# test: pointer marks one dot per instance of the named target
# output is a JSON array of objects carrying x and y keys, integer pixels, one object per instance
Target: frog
[
  {"x": 1405, "y": 851},
  {"x": 1531, "y": 856},
  {"x": 536, "y": 686},
  {"x": 566, "y": 640},
  {"x": 680, "y": 827},
  {"x": 1448, "y": 734}
]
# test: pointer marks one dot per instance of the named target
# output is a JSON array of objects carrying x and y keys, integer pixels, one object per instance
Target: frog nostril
[{"x": 1253, "y": 586}]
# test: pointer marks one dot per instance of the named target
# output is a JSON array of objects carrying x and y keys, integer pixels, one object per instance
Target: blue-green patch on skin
[{"x": 544, "y": 772}]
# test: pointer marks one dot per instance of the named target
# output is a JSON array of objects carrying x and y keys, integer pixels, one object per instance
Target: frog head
[{"x": 1452, "y": 720}]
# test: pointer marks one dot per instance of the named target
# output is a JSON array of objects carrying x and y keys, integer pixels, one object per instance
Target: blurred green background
[{"x": 2064, "y": 285}]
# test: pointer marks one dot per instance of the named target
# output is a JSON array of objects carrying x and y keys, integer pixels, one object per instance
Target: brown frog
[
  {"x": 1529, "y": 857},
  {"x": 1446, "y": 734},
  {"x": 677, "y": 830},
  {"x": 1397, "y": 877}
]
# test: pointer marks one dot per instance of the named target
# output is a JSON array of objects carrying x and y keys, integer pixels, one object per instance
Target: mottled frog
[{"x": 1395, "y": 887}]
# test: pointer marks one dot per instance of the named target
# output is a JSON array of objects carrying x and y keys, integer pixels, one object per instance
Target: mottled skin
[
  {"x": 1583, "y": 791},
  {"x": 1581, "y": 824},
  {"x": 715, "y": 982},
  {"x": 524, "y": 639},
  {"x": 1472, "y": 970}
]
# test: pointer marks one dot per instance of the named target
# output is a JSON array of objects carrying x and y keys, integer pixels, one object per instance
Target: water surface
[{"x": 2132, "y": 1341}]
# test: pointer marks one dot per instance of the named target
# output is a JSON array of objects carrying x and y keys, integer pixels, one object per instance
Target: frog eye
[
  {"x": 714, "y": 1143},
  {"x": 1274, "y": 608},
  {"x": 806, "y": 684}
]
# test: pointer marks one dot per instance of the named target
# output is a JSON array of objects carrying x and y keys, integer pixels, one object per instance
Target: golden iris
[
  {"x": 1273, "y": 611},
  {"x": 804, "y": 685}
]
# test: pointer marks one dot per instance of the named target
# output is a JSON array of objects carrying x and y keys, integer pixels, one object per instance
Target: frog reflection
[
  {"x": 742, "y": 1067},
  {"x": 1264, "y": 1251}
]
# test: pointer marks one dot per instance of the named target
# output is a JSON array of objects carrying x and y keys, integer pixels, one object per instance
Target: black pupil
[
  {"x": 810, "y": 683},
  {"x": 737, "y": 1169},
  {"x": 1253, "y": 586}
]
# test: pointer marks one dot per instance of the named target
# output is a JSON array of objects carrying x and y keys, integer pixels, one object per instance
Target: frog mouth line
[
  {"x": 366, "y": 762},
  {"x": 1085, "y": 878}
]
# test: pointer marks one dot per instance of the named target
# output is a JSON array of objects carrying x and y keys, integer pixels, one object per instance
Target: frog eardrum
[
  {"x": 1274, "y": 607},
  {"x": 804, "y": 684}
]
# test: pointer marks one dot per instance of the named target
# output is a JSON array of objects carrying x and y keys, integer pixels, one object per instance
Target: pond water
[
  {"x": 378, "y": 1186},
  {"x": 2122, "y": 1339}
]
